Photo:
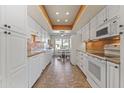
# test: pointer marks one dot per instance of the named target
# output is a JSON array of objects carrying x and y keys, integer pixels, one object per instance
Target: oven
[{"x": 97, "y": 71}]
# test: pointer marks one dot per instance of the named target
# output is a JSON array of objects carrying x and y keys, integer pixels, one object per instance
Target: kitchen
[{"x": 32, "y": 37}]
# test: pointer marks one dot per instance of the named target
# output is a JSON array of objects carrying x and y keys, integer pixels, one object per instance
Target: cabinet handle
[
  {"x": 9, "y": 26},
  {"x": 9, "y": 33},
  {"x": 116, "y": 66},
  {"x": 120, "y": 33},
  {"x": 114, "y": 21},
  {"x": 5, "y": 32},
  {"x": 120, "y": 25},
  {"x": 5, "y": 25}
]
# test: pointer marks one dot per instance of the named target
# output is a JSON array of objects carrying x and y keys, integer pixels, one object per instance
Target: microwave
[{"x": 109, "y": 29}]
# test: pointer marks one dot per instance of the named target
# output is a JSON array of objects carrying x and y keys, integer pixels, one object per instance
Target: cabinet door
[
  {"x": 15, "y": 16},
  {"x": 93, "y": 24},
  {"x": 2, "y": 58},
  {"x": 16, "y": 60},
  {"x": 87, "y": 32},
  {"x": 0, "y": 16},
  {"x": 112, "y": 75},
  {"x": 102, "y": 17},
  {"x": 83, "y": 34},
  {"x": 113, "y": 11},
  {"x": 114, "y": 30}
]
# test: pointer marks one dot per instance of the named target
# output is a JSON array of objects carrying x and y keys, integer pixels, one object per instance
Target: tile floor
[{"x": 61, "y": 75}]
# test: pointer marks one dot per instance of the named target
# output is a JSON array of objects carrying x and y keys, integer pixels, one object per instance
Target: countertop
[
  {"x": 33, "y": 53},
  {"x": 111, "y": 58},
  {"x": 30, "y": 54}
]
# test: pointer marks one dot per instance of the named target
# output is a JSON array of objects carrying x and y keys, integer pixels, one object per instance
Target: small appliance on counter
[{"x": 112, "y": 49}]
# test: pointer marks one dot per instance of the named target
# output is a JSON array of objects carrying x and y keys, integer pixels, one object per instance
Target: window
[{"x": 62, "y": 43}]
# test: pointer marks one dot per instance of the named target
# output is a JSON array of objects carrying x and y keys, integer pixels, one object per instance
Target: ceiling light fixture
[
  {"x": 57, "y": 13},
  {"x": 58, "y": 20},
  {"x": 67, "y": 13},
  {"x": 66, "y": 20}
]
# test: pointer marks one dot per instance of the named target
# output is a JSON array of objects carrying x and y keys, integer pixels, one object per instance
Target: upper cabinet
[
  {"x": 112, "y": 11},
  {"x": 14, "y": 17},
  {"x": 85, "y": 32},
  {"x": 102, "y": 17},
  {"x": 107, "y": 23},
  {"x": 93, "y": 26}
]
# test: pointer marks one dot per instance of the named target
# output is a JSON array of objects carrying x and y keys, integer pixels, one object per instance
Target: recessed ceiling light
[
  {"x": 67, "y": 13},
  {"x": 57, "y": 13},
  {"x": 66, "y": 20},
  {"x": 58, "y": 20}
]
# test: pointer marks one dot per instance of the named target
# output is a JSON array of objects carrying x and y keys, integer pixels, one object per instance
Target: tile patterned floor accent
[{"x": 62, "y": 75}]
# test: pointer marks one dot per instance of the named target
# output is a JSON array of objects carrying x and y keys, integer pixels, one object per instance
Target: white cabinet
[
  {"x": 1, "y": 15},
  {"x": 122, "y": 60},
  {"x": 19, "y": 78},
  {"x": 2, "y": 58},
  {"x": 37, "y": 64},
  {"x": 113, "y": 75},
  {"x": 85, "y": 62},
  {"x": 102, "y": 17},
  {"x": 13, "y": 70},
  {"x": 16, "y": 49},
  {"x": 85, "y": 32},
  {"x": 113, "y": 11},
  {"x": 93, "y": 27},
  {"x": 114, "y": 27},
  {"x": 35, "y": 69},
  {"x": 14, "y": 17}
]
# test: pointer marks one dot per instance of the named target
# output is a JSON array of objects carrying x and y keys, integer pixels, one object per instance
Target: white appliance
[
  {"x": 112, "y": 49},
  {"x": 97, "y": 72},
  {"x": 109, "y": 29}
]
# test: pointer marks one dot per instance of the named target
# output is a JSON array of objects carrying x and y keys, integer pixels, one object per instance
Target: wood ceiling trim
[
  {"x": 62, "y": 27},
  {"x": 80, "y": 12},
  {"x": 44, "y": 12}
]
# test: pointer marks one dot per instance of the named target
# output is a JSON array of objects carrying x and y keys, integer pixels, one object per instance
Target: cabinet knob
[
  {"x": 114, "y": 21},
  {"x": 5, "y": 25},
  {"x": 120, "y": 33},
  {"x": 116, "y": 66},
  {"x": 106, "y": 19},
  {"x": 9, "y": 33},
  {"x": 5, "y": 32},
  {"x": 121, "y": 25},
  {"x": 9, "y": 26}
]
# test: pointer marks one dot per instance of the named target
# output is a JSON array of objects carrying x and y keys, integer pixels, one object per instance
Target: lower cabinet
[
  {"x": 108, "y": 72},
  {"x": 37, "y": 64},
  {"x": 19, "y": 78},
  {"x": 113, "y": 75}
]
